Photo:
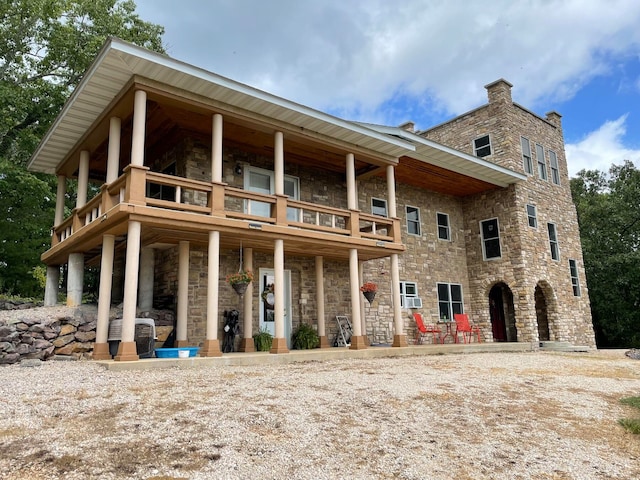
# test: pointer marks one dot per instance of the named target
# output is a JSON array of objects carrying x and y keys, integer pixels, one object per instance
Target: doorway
[
  {"x": 267, "y": 315},
  {"x": 541, "y": 315},
  {"x": 502, "y": 314}
]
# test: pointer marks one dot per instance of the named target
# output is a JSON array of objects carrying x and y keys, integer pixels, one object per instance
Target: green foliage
[
  {"x": 305, "y": 337},
  {"x": 631, "y": 401},
  {"x": 608, "y": 208},
  {"x": 262, "y": 340},
  {"x": 631, "y": 425}
]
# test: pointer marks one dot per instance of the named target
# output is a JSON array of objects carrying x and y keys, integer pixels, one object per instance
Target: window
[
  {"x": 553, "y": 241},
  {"x": 490, "y": 239},
  {"x": 542, "y": 165},
  {"x": 444, "y": 232},
  {"x": 449, "y": 300},
  {"x": 526, "y": 155},
  {"x": 263, "y": 181},
  {"x": 163, "y": 192},
  {"x": 553, "y": 163},
  {"x": 413, "y": 220},
  {"x": 532, "y": 216},
  {"x": 482, "y": 146},
  {"x": 575, "y": 282},
  {"x": 379, "y": 207},
  {"x": 409, "y": 295}
]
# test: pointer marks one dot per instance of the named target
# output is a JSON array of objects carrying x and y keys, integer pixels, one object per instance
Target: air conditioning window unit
[
  {"x": 413, "y": 302},
  {"x": 144, "y": 336}
]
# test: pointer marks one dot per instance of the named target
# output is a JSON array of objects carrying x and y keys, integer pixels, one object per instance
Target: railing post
[
  {"x": 353, "y": 223},
  {"x": 280, "y": 213},
  {"x": 395, "y": 231},
  {"x": 136, "y": 184},
  {"x": 216, "y": 200}
]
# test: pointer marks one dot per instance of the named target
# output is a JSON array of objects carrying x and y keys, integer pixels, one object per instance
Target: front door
[{"x": 267, "y": 316}]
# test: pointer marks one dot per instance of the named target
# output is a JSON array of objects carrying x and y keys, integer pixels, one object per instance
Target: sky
[{"x": 388, "y": 62}]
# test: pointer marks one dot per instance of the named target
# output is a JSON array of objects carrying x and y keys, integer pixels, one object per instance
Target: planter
[
  {"x": 240, "y": 288},
  {"x": 369, "y": 296}
]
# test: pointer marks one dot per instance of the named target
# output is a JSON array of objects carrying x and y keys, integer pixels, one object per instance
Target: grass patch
[{"x": 631, "y": 425}]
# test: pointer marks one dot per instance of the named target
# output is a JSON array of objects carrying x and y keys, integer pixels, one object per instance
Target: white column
[
  {"x": 75, "y": 279},
  {"x": 139, "y": 126},
  {"x": 354, "y": 288},
  {"x": 278, "y": 167},
  {"x": 146, "y": 279},
  {"x": 211, "y": 347},
  {"x": 391, "y": 191},
  {"x": 83, "y": 179},
  {"x": 320, "y": 296},
  {"x": 60, "y": 194},
  {"x": 363, "y": 310},
  {"x": 352, "y": 202},
  {"x": 131, "y": 282},
  {"x": 51, "y": 286},
  {"x": 113, "y": 157},
  {"x": 104, "y": 294},
  {"x": 183, "y": 292},
  {"x": 395, "y": 292},
  {"x": 216, "y": 149},
  {"x": 247, "y": 298},
  {"x": 278, "y": 286}
]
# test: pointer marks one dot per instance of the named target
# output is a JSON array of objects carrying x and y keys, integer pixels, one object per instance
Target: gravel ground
[{"x": 472, "y": 416}]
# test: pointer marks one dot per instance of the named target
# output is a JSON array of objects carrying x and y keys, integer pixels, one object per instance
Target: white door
[{"x": 267, "y": 317}]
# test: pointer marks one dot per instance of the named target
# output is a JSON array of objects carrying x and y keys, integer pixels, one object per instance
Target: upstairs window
[
  {"x": 575, "y": 281},
  {"x": 482, "y": 146},
  {"x": 449, "y": 300},
  {"x": 526, "y": 155},
  {"x": 553, "y": 241},
  {"x": 532, "y": 216},
  {"x": 413, "y": 220},
  {"x": 542, "y": 164},
  {"x": 444, "y": 232},
  {"x": 379, "y": 207},
  {"x": 490, "y": 239},
  {"x": 553, "y": 163}
]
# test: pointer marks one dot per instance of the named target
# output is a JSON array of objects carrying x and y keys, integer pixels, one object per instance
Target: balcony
[{"x": 189, "y": 209}]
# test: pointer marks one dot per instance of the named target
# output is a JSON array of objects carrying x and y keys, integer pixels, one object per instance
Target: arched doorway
[
  {"x": 541, "y": 315},
  {"x": 502, "y": 313}
]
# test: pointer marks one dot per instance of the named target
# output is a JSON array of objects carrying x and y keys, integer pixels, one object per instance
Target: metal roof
[{"x": 118, "y": 62}]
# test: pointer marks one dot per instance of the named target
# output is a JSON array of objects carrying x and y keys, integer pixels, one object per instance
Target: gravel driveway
[{"x": 471, "y": 416}]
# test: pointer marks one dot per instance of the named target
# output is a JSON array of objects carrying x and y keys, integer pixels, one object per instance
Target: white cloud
[{"x": 599, "y": 149}]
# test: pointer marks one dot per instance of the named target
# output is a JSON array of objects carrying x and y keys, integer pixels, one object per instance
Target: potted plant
[
  {"x": 369, "y": 290},
  {"x": 305, "y": 337},
  {"x": 240, "y": 280},
  {"x": 262, "y": 340}
]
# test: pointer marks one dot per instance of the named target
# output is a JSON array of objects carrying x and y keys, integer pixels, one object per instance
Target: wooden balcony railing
[{"x": 139, "y": 186}]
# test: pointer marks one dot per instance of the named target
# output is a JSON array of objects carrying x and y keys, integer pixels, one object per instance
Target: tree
[
  {"x": 45, "y": 48},
  {"x": 608, "y": 209}
]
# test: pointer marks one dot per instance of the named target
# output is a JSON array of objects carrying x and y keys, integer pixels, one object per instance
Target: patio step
[{"x": 562, "y": 347}]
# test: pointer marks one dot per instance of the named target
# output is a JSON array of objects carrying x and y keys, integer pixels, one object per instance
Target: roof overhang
[{"x": 118, "y": 62}]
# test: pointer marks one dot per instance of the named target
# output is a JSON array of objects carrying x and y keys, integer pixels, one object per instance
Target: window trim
[
  {"x": 476, "y": 148},
  {"x": 527, "y": 161},
  {"x": 449, "y": 301},
  {"x": 555, "y": 170},
  {"x": 386, "y": 207},
  {"x": 484, "y": 240},
  {"x": 416, "y": 222},
  {"x": 447, "y": 226},
  {"x": 541, "y": 163},
  {"x": 293, "y": 214},
  {"x": 530, "y": 216},
  {"x": 575, "y": 278},
  {"x": 553, "y": 242},
  {"x": 404, "y": 295}
]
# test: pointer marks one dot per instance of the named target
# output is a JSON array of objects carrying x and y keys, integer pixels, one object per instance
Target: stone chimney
[
  {"x": 408, "y": 126},
  {"x": 554, "y": 118},
  {"x": 499, "y": 91}
]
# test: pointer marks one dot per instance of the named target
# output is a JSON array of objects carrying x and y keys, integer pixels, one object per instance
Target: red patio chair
[
  {"x": 468, "y": 330},
  {"x": 422, "y": 330}
]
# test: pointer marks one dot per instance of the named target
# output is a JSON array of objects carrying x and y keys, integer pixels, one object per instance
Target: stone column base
[
  {"x": 400, "y": 341},
  {"x": 126, "y": 352},
  {"x": 101, "y": 351},
  {"x": 324, "y": 342},
  {"x": 211, "y": 348},
  {"x": 279, "y": 345},
  {"x": 181, "y": 343},
  {"x": 247, "y": 345},
  {"x": 358, "y": 342}
]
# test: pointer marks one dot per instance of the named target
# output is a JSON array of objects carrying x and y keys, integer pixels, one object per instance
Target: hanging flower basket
[
  {"x": 240, "y": 281},
  {"x": 369, "y": 296},
  {"x": 369, "y": 290},
  {"x": 240, "y": 288}
]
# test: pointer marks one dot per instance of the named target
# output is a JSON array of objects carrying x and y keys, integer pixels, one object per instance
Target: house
[{"x": 200, "y": 177}]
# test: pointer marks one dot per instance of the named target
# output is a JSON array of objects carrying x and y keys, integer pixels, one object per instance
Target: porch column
[
  {"x": 75, "y": 278},
  {"x": 352, "y": 202},
  {"x": 183, "y": 294},
  {"x": 324, "y": 343},
  {"x": 246, "y": 344},
  {"x": 83, "y": 179},
  {"x": 127, "y": 348},
  {"x": 60, "y": 194},
  {"x": 279, "y": 342},
  {"x": 357, "y": 339},
  {"x": 51, "y": 285},
  {"x": 137, "y": 135},
  {"x": 113, "y": 157},
  {"x": 146, "y": 279},
  {"x": 278, "y": 167},
  {"x": 211, "y": 347},
  {"x": 101, "y": 347},
  {"x": 391, "y": 192},
  {"x": 399, "y": 337},
  {"x": 216, "y": 148}
]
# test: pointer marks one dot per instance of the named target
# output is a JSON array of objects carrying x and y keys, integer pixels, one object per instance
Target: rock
[
  {"x": 42, "y": 344},
  {"x": 85, "y": 336},
  {"x": 88, "y": 326},
  {"x": 62, "y": 341},
  {"x": 39, "y": 328},
  {"x": 30, "y": 362},
  {"x": 5, "y": 331},
  {"x": 79, "y": 347},
  {"x": 30, "y": 321},
  {"x": 7, "y": 347},
  {"x": 22, "y": 327},
  {"x": 9, "y": 358},
  {"x": 633, "y": 353},
  {"x": 67, "y": 329},
  {"x": 66, "y": 350},
  {"x": 49, "y": 335},
  {"x": 28, "y": 339},
  {"x": 24, "y": 349}
]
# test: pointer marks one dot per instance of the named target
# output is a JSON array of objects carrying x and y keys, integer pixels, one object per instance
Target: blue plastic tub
[{"x": 173, "y": 352}]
